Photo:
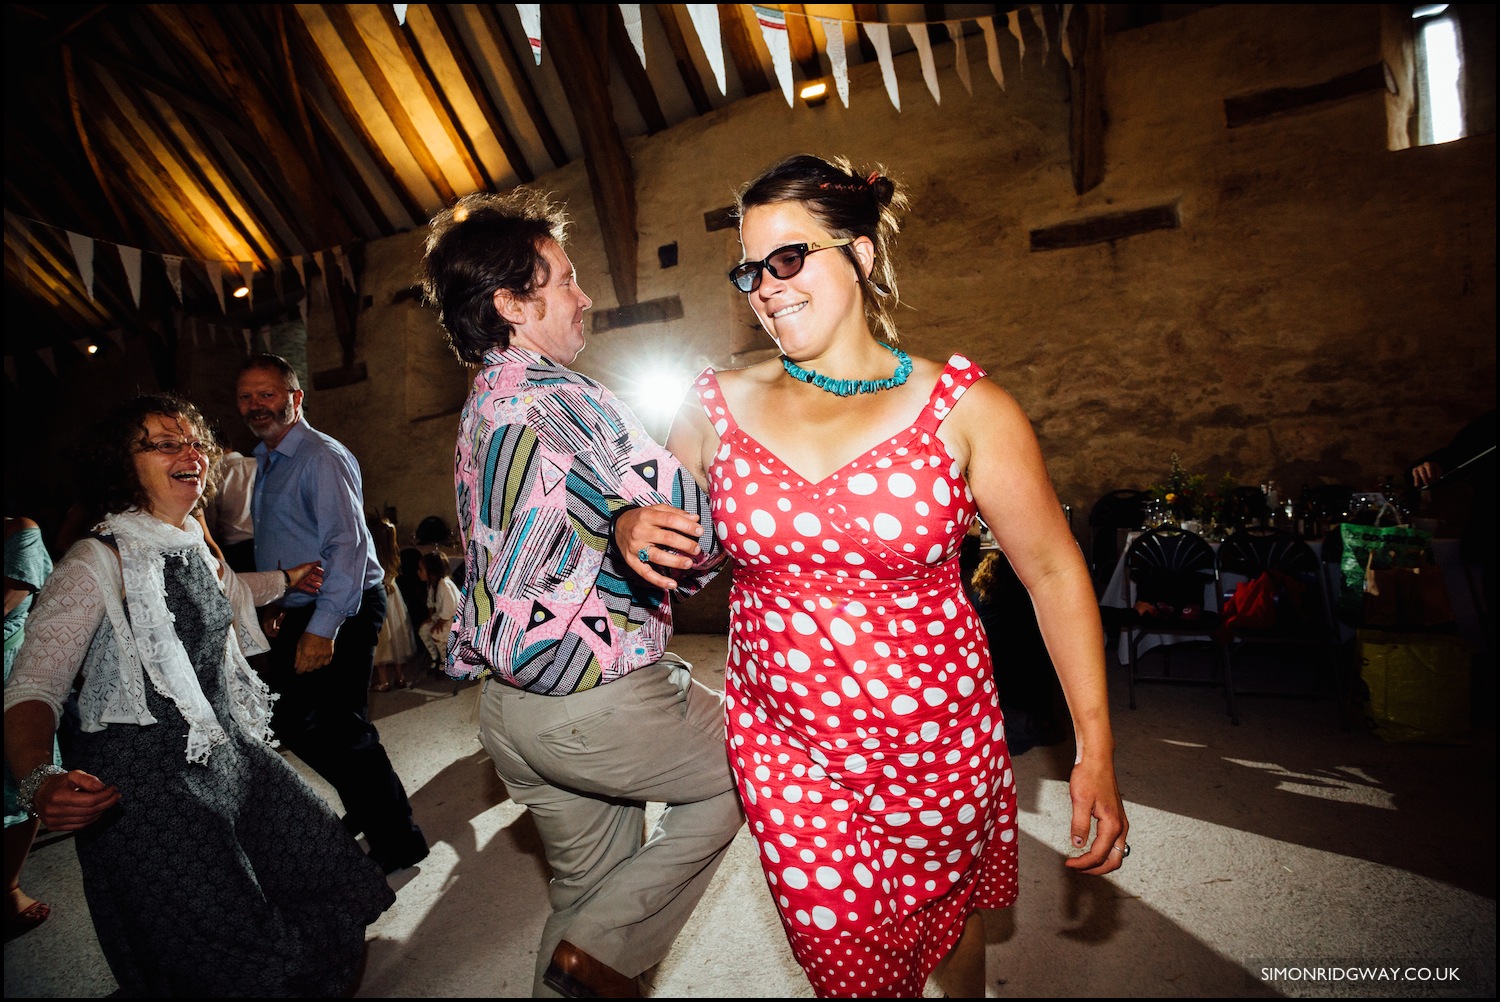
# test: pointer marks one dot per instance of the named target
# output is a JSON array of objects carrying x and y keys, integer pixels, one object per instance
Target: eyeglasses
[
  {"x": 783, "y": 263},
  {"x": 172, "y": 446}
]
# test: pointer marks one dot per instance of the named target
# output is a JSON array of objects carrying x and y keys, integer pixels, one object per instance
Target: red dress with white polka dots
[{"x": 864, "y": 728}]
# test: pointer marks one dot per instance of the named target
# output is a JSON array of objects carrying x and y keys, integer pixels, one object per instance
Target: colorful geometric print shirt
[{"x": 545, "y": 459}]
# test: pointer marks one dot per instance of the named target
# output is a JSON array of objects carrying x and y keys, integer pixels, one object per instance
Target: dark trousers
[{"x": 323, "y": 717}]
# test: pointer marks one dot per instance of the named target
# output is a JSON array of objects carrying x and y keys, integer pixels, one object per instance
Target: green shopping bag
[{"x": 1371, "y": 548}]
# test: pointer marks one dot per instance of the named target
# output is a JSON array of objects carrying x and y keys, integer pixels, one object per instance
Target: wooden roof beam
[
  {"x": 350, "y": 35},
  {"x": 804, "y": 48},
  {"x": 415, "y": 214},
  {"x": 515, "y": 157},
  {"x": 634, "y": 73},
  {"x": 604, "y": 155},
  {"x": 685, "y": 67},
  {"x": 202, "y": 42},
  {"x": 524, "y": 87},
  {"x": 416, "y": 61},
  {"x": 742, "y": 49}
]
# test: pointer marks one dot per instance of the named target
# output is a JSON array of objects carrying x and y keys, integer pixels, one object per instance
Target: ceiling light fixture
[
  {"x": 242, "y": 292},
  {"x": 814, "y": 93},
  {"x": 92, "y": 349}
]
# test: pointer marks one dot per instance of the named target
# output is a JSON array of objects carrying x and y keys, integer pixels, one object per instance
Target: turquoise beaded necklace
[{"x": 850, "y": 387}]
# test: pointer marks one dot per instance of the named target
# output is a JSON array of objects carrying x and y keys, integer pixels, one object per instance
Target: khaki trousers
[{"x": 585, "y": 765}]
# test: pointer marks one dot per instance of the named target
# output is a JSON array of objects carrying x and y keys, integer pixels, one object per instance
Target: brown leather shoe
[{"x": 573, "y": 974}]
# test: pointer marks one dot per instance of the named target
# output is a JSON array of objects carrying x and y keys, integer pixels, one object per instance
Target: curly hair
[
  {"x": 846, "y": 203},
  {"x": 482, "y": 244},
  {"x": 108, "y": 481}
]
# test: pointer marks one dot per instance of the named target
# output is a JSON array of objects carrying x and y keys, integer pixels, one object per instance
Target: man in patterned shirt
[{"x": 585, "y": 714}]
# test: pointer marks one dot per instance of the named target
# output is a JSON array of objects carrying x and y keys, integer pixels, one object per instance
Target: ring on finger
[
  {"x": 1123, "y": 850},
  {"x": 644, "y": 554}
]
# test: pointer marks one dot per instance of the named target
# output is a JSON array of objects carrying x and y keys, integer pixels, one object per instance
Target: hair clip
[{"x": 874, "y": 176}]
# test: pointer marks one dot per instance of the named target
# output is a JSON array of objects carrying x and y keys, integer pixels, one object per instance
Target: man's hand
[{"x": 313, "y": 652}]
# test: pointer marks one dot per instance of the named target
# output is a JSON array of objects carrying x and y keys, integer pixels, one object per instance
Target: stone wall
[{"x": 1324, "y": 313}]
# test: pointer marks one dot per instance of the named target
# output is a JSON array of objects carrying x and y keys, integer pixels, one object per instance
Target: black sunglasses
[{"x": 783, "y": 263}]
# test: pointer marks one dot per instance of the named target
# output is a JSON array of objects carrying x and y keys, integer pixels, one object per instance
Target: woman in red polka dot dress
[{"x": 864, "y": 727}]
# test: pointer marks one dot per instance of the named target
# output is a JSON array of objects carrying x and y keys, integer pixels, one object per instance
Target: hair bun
[{"x": 882, "y": 187}]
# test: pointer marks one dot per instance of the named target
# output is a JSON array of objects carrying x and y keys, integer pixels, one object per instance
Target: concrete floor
[{"x": 1284, "y": 842}]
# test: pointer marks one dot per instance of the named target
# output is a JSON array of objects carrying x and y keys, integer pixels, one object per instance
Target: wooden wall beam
[{"x": 1086, "y": 128}]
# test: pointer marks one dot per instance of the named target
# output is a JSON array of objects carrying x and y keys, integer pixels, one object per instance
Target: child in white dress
[
  {"x": 443, "y": 597},
  {"x": 394, "y": 647}
]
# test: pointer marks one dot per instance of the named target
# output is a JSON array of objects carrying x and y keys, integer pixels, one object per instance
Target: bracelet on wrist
[
  {"x": 286, "y": 580},
  {"x": 27, "y": 789}
]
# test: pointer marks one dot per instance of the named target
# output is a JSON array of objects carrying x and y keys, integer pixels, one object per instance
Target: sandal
[
  {"x": 381, "y": 687},
  {"x": 27, "y": 920}
]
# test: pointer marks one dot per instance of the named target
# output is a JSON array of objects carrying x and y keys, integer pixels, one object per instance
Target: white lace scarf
[{"x": 144, "y": 543}]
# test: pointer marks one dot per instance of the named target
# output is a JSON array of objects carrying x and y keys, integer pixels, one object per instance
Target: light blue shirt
[{"x": 309, "y": 505}]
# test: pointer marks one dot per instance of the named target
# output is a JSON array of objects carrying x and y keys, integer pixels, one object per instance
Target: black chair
[
  {"x": 1174, "y": 572},
  {"x": 1119, "y": 509},
  {"x": 1304, "y": 614}
]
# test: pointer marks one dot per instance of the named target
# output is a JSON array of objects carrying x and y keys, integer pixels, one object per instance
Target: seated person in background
[
  {"x": 1031, "y": 699},
  {"x": 443, "y": 598}
]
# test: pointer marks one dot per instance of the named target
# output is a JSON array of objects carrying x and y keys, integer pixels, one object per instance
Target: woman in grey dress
[{"x": 210, "y": 867}]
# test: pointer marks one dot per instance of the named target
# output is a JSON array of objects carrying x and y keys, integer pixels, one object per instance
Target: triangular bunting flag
[
  {"x": 838, "y": 59},
  {"x": 924, "y": 53},
  {"x": 117, "y": 336},
  {"x": 880, "y": 38},
  {"x": 960, "y": 55},
  {"x": 302, "y": 310},
  {"x": 630, "y": 13},
  {"x": 705, "y": 18},
  {"x": 45, "y": 354},
  {"x": 1014, "y": 20},
  {"x": 1041, "y": 25},
  {"x": 83, "y": 253},
  {"x": 247, "y": 272},
  {"x": 173, "y": 265},
  {"x": 300, "y": 263},
  {"x": 345, "y": 269},
  {"x": 247, "y": 333},
  {"x": 773, "y": 30},
  {"x": 531, "y": 23},
  {"x": 265, "y": 337},
  {"x": 215, "y": 271},
  {"x": 992, "y": 48},
  {"x": 400, "y": 9},
  {"x": 130, "y": 257},
  {"x": 1062, "y": 34}
]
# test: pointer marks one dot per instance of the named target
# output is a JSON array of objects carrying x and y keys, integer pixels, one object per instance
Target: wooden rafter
[
  {"x": 524, "y": 87},
  {"x": 492, "y": 114},
  {"x": 416, "y": 61},
  {"x": 799, "y": 35},
  {"x": 390, "y": 102},
  {"x": 742, "y": 49},
  {"x": 605, "y": 158},
  {"x": 350, "y": 114},
  {"x": 208, "y": 51},
  {"x": 685, "y": 66},
  {"x": 634, "y": 73}
]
